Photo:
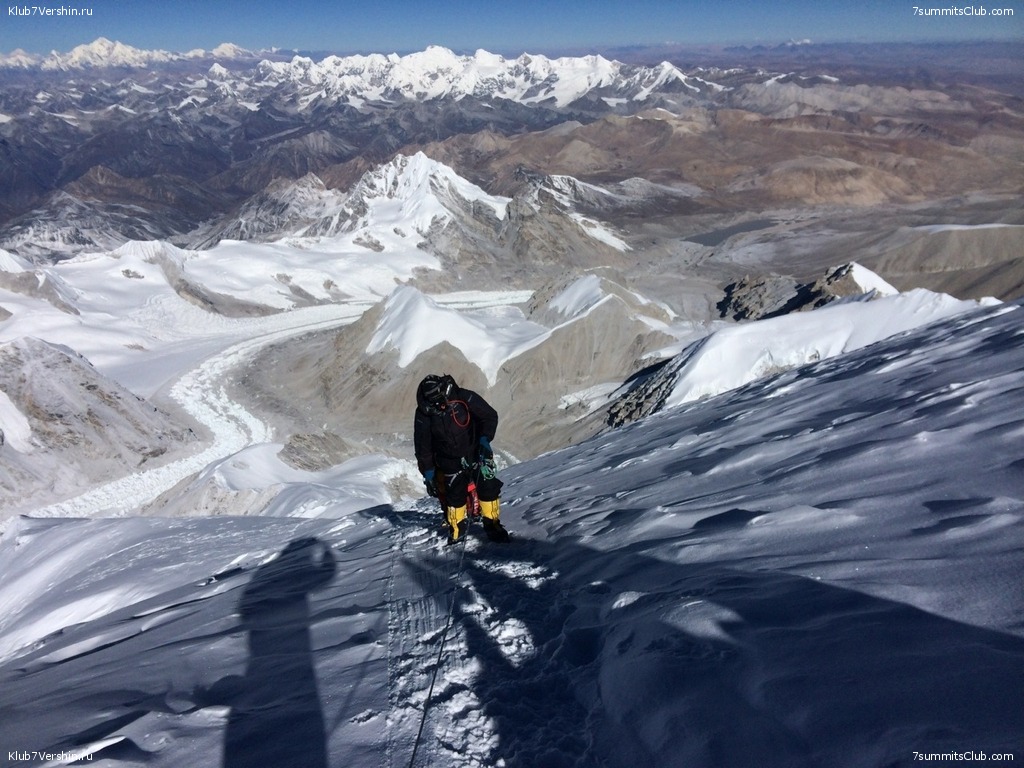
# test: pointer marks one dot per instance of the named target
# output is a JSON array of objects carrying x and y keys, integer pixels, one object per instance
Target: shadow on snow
[
  {"x": 630, "y": 660},
  {"x": 638, "y": 661}
]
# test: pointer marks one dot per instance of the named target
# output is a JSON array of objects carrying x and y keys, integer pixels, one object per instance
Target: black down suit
[{"x": 447, "y": 434}]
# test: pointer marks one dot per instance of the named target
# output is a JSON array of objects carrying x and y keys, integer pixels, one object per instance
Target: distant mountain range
[
  {"x": 157, "y": 143},
  {"x": 439, "y": 73},
  {"x": 103, "y": 53},
  {"x": 187, "y": 146}
]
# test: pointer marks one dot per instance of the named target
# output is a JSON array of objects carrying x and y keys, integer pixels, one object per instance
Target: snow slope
[{"x": 820, "y": 568}]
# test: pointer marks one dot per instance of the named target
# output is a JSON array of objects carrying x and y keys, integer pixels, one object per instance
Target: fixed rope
[{"x": 437, "y": 664}]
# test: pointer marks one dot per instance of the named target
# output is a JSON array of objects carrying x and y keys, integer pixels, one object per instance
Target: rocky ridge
[
  {"x": 763, "y": 296},
  {"x": 750, "y": 299}
]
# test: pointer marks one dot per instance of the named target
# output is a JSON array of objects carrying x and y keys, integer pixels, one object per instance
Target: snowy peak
[
  {"x": 228, "y": 51},
  {"x": 546, "y": 372},
  {"x": 765, "y": 296},
  {"x": 412, "y": 324},
  {"x": 569, "y": 195},
  {"x": 102, "y": 52},
  {"x": 433, "y": 73},
  {"x": 406, "y": 197},
  {"x": 304, "y": 207},
  {"x": 404, "y": 178},
  {"x": 19, "y": 59},
  {"x": 570, "y": 334},
  {"x": 575, "y": 296},
  {"x": 67, "y": 223},
  {"x": 864, "y": 279},
  {"x": 415, "y": 192},
  {"x": 438, "y": 73}
]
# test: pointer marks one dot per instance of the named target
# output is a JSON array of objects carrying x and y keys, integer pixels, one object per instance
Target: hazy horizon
[{"x": 527, "y": 25}]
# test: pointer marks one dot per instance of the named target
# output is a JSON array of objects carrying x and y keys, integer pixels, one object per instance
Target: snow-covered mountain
[
  {"x": 439, "y": 73},
  {"x": 794, "y": 541},
  {"x": 233, "y": 129},
  {"x": 818, "y": 568},
  {"x": 753, "y": 298},
  {"x": 105, "y": 53},
  {"x": 436, "y": 72},
  {"x": 408, "y": 216},
  {"x": 739, "y": 354},
  {"x": 409, "y": 202},
  {"x": 102, "y": 53},
  {"x": 414, "y": 204},
  {"x": 67, "y": 225},
  {"x": 414, "y": 193},
  {"x": 230, "y": 125},
  {"x": 283, "y": 208}
]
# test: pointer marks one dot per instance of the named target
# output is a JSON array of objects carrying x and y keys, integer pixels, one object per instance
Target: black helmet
[{"x": 435, "y": 390}]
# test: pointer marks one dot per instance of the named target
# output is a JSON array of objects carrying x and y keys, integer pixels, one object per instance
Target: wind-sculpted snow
[{"x": 818, "y": 568}]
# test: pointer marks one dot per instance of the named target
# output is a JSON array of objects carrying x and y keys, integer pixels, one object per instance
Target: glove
[
  {"x": 428, "y": 480},
  {"x": 486, "y": 462},
  {"x": 486, "y": 452}
]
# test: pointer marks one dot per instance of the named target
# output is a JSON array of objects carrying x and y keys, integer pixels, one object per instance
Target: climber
[{"x": 452, "y": 434}]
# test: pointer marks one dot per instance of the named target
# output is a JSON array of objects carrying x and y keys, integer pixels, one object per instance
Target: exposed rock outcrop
[{"x": 754, "y": 298}]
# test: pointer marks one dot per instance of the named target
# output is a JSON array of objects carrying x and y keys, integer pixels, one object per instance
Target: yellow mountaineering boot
[
  {"x": 489, "y": 511},
  {"x": 456, "y": 523}
]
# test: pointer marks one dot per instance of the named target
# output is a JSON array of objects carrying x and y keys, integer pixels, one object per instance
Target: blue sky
[{"x": 512, "y": 26}]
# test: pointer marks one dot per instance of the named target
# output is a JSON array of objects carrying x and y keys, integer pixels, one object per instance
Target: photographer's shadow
[{"x": 276, "y": 718}]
